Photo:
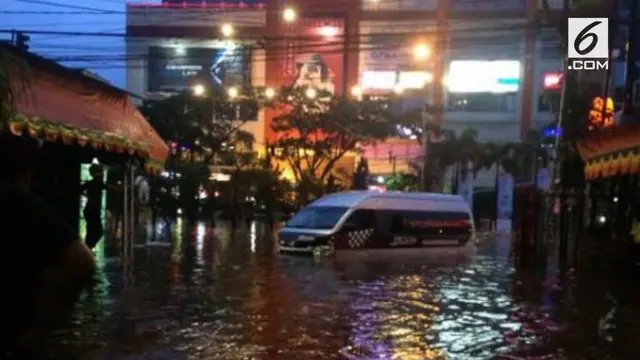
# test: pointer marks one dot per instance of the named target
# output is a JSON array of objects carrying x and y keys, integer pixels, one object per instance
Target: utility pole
[
  {"x": 630, "y": 74},
  {"x": 20, "y": 40}
]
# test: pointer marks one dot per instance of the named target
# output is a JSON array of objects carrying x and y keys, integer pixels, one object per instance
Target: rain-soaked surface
[{"x": 232, "y": 296}]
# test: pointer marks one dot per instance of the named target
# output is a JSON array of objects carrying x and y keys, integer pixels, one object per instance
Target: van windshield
[{"x": 317, "y": 217}]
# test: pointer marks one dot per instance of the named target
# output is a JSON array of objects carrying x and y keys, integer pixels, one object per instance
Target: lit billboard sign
[
  {"x": 171, "y": 70},
  {"x": 388, "y": 80},
  {"x": 474, "y": 76},
  {"x": 552, "y": 81}
]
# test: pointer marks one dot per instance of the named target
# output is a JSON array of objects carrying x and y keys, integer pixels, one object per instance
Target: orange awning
[
  {"x": 52, "y": 93},
  {"x": 611, "y": 152}
]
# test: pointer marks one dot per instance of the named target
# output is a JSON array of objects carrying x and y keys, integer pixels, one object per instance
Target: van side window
[
  {"x": 397, "y": 222},
  {"x": 362, "y": 219}
]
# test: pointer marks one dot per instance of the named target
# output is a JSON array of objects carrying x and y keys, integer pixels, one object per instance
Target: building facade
[{"x": 488, "y": 66}]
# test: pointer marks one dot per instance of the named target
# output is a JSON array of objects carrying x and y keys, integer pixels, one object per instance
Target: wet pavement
[{"x": 232, "y": 296}]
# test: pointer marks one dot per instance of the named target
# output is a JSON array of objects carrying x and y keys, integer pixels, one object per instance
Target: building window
[
  {"x": 478, "y": 102},
  {"x": 549, "y": 101}
]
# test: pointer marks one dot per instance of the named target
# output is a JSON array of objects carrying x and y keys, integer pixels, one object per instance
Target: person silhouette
[
  {"x": 43, "y": 263},
  {"x": 93, "y": 191}
]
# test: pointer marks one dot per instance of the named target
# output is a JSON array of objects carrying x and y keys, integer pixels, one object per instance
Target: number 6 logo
[{"x": 584, "y": 35}]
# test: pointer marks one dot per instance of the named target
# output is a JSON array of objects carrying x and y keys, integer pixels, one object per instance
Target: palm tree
[{"x": 456, "y": 151}]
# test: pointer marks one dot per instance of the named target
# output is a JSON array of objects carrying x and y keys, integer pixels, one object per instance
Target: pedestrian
[
  {"x": 43, "y": 264},
  {"x": 93, "y": 191}
]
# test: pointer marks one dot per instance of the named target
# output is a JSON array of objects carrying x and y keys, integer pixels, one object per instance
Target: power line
[{"x": 61, "y": 5}]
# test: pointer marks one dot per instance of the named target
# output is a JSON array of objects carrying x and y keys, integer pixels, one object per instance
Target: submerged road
[{"x": 230, "y": 295}]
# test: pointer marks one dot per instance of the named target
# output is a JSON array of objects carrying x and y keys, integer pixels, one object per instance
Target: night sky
[{"x": 51, "y": 17}]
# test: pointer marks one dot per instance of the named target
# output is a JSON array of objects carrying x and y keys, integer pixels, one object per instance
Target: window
[
  {"x": 428, "y": 222},
  {"x": 549, "y": 102},
  {"x": 479, "y": 102},
  {"x": 362, "y": 219},
  {"x": 317, "y": 217}
]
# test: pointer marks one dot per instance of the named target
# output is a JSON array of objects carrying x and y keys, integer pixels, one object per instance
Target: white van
[{"x": 374, "y": 220}]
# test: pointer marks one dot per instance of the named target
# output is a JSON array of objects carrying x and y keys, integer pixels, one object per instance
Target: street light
[
  {"x": 227, "y": 30},
  {"x": 269, "y": 93},
  {"x": 233, "y": 92},
  {"x": 398, "y": 89},
  {"x": 289, "y": 15},
  {"x": 311, "y": 93},
  {"x": 198, "y": 90},
  {"x": 421, "y": 52}
]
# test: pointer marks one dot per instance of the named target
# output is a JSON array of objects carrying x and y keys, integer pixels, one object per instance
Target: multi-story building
[{"x": 487, "y": 64}]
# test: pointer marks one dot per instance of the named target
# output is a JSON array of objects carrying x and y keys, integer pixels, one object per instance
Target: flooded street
[{"x": 233, "y": 296}]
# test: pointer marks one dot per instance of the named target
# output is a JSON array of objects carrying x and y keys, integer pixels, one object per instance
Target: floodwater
[{"x": 232, "y": 296}]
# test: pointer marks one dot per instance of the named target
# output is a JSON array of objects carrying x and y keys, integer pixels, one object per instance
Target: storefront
[
  {"x": 78, "y": 120},
  {"x": 612, "y": 163}
]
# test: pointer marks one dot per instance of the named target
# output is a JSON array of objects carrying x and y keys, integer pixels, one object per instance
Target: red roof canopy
[{"x": 55, "y": 93}]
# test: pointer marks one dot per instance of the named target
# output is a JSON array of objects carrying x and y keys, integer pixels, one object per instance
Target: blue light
[{"x": 552, "y": 132}]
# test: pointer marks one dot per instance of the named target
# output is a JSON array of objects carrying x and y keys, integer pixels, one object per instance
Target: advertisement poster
[
  {"x": 505, "y": 202},
  {"x": 314, "y": 55},
  {"x": 310, "y": 54},
  {"x": 173, "y": 70}
]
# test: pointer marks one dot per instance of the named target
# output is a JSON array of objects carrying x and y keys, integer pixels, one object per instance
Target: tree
[
  {"x": 315, "y": 132},
  {"x": 199, "y": 128},
  {"x": 253, "y": 177},
  {"x": 403, "y": 182}
]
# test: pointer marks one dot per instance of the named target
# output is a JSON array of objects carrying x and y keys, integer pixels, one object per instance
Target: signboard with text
[{"x": 173, "y": 69}]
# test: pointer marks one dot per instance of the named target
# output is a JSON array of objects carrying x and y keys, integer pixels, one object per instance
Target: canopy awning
[
  {"x": 611, "y": 152},
  {"x": 61, "y": 103}
]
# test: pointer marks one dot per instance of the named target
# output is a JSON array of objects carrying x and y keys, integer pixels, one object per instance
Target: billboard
[
  {"x": 477, "y": 76},
  {"x": 172, "y": 69}
]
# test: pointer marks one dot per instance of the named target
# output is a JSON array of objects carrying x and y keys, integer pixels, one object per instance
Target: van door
[{"x": 358, "y": 230}]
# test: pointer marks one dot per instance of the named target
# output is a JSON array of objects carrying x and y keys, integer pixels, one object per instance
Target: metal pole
[
  {"x": 345, "y": 57},
  {"x": 426, "y": 142},
  {"x": 125, "y": 216},
  {"x": 132, "y": 227},
  {"x": 613, "y": 29},
  {"x": 630, "y": 75}
]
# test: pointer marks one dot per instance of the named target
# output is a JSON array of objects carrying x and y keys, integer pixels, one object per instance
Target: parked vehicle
[{"x": 361, "y": 220}]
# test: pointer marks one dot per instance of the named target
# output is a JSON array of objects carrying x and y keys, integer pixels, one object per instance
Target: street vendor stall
[{"x": 77, "y": 119}]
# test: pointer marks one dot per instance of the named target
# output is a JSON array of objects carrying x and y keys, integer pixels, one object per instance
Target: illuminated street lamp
[
  {"x": 227, "y": 30},
  {"x": 398, "y": 89},
  {"x": 289, "y": 15},
  {"x": 198, "y": 90},
  {"x": 421, "y": 52},
  {"x": 233, "y": 92},
  {"x": 311, "y": 93},
  {"x": 269, "y": 93}
]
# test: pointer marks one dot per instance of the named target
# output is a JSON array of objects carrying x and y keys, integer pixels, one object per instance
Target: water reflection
[{"x": 225, "y": 294}]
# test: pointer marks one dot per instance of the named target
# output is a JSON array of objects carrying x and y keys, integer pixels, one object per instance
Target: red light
[{"x": 552, "y": 81}]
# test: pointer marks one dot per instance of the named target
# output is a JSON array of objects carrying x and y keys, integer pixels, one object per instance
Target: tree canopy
[{"x": 314, "y": 133}]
